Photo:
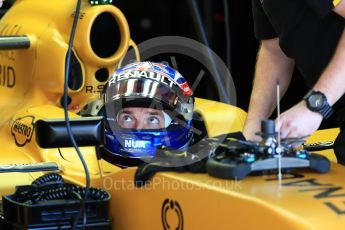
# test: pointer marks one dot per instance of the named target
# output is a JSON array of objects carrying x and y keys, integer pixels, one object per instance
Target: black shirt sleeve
[
  {"x": 321, "y": 7},
  {"x": 263, "y": 29}
]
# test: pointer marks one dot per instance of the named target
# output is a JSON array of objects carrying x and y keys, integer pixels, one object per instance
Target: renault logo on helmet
[{"x": 142, "y": 74}]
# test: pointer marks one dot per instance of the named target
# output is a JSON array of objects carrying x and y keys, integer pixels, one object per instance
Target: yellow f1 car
[{"x": 34, "y": 41}]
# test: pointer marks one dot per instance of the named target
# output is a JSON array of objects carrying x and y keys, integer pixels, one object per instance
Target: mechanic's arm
[
  {"x": 299, "y": 121},
  {"x": 272, "y": 66},
  {"x": 332, "y": 81}
]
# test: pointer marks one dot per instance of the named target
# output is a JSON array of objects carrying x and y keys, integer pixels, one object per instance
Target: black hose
[
  {"x": 69, "y": 191},
  {"x": 50, "y": 177},
  {"x": 52, "y": 187}
]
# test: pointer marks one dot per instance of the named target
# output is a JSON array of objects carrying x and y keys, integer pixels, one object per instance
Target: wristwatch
[{"x": 317, "y": 102}]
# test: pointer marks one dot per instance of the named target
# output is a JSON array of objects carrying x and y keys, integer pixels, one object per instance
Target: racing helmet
[{"x": 155, "y": 86}]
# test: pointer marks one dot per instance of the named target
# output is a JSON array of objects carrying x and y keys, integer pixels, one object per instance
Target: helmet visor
[
  {"x": 142, "y": 118},
  {"x": 144, "y": 92}
]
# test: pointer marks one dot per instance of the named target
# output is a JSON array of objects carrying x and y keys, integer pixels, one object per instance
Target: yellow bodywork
[
  {"x": 67, "y": 157},
  {"x": 336, "y": 2},
  {"x": 35, "y": 76},
  {"x": 325, "y": 135},
  {"x": 32, "y": 90},
  {"x": 305, "y": 200}
]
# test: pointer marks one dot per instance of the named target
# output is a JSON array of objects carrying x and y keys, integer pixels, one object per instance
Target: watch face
[{"x": 316, "y": 101}]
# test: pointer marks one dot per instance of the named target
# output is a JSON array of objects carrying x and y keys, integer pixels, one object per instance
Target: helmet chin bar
[{"x": 144, "y": 143}]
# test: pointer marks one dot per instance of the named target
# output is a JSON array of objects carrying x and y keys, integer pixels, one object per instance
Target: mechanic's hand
[
  {"x": 298, "y": 122},
  {"x": 250, "y": 129}
]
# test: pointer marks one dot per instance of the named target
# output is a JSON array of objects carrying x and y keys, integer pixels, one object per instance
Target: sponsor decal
[
  {"x": 22, "y": 130},
  {"x": 154, "y": 71},
  {"x": 131, "y": 145},
  {"x": 328, "y": 194},
  {"x": 10, "y": 166},
  {"x": 172, "y": 216},
  {"x": 94, "y": 89},
  {"x": 142, "y": 74},
  {"x": 7, "y": 76},
  {"x": 135, "y": 144},
  {"x": 29, "y": 167}
]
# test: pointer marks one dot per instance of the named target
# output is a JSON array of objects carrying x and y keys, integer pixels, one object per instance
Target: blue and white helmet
[{"x": 147, "y": 85}]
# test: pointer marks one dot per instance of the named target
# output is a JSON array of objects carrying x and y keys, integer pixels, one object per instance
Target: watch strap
[{"x": 326, "y": 111}]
